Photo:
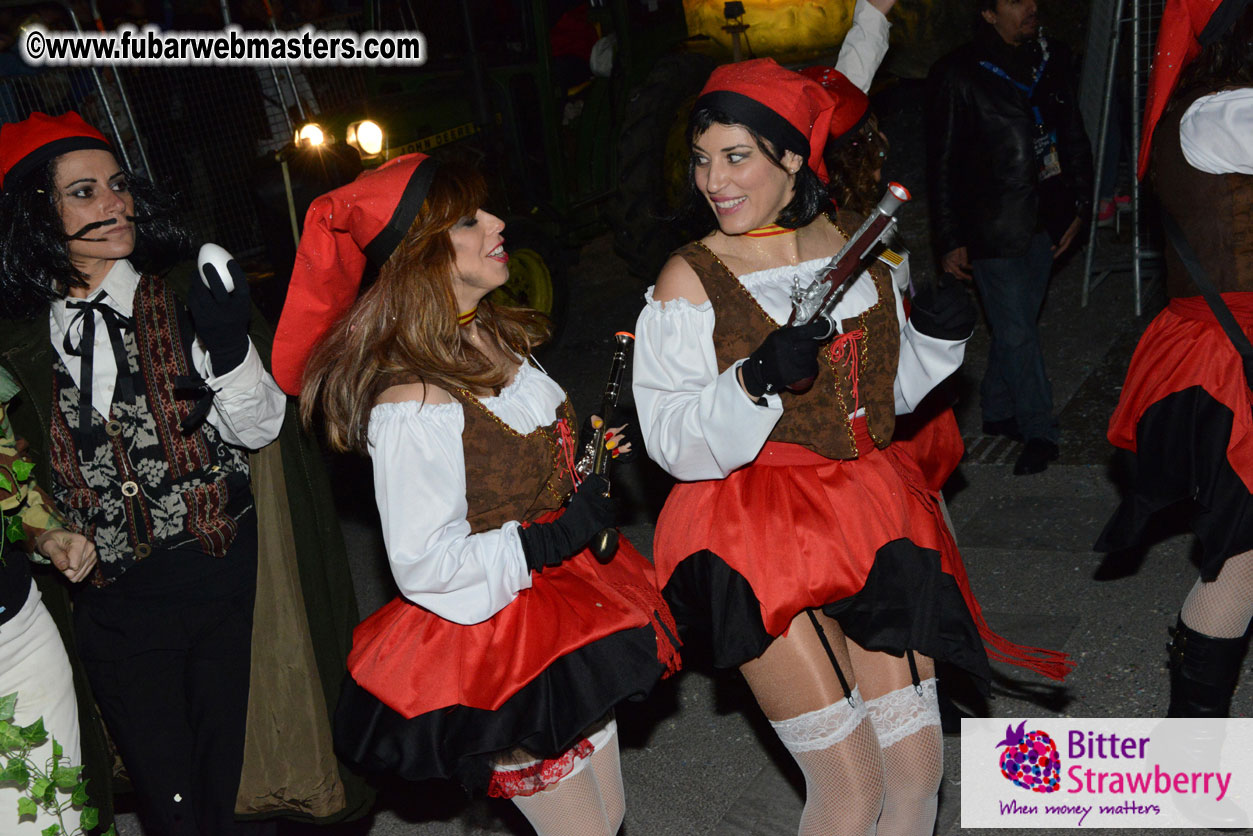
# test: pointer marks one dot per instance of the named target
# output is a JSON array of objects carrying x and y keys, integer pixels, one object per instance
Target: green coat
[{"x": 305, "y": 614}]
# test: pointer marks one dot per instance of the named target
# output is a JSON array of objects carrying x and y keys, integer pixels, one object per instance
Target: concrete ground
[{"x": 698, "y": 757}]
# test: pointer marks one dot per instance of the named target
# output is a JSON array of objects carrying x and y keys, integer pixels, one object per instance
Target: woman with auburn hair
[
  {"x": 800, "y": 538},
  {"x": 501, "y": 661}
]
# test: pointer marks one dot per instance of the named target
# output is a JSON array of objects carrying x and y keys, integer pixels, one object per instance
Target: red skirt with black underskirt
[
  {"x": 1185, "y": 415},
  {"x": 430, "y": 698},
  {"x": 863, "y": 539}
]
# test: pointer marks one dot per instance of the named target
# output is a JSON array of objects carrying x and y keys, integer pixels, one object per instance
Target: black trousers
[{"x": 167, "y": 649}]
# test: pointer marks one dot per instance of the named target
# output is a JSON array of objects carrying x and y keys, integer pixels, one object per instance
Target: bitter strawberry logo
[{"x": 1030, "y": 759}]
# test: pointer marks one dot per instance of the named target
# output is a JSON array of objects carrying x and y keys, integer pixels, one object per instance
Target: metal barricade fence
[
  {"x": 204, "y": 132},
  {"x": 1142, "y": 18}
]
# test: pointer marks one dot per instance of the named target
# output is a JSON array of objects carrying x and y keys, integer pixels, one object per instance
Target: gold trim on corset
[
  {"x": 564, "y": 411},
  {"x": 736, "y": 280},
  {"x": 839, "y": 384}
]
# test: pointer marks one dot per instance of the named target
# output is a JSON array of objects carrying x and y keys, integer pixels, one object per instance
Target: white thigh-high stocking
[
  {"x": 1222, "y": 607},
  {"x": 907, "y": 722},
  {"x": 608, "y": 768},
  {"x": 570, "y": 807},
  {"x": 839, "y": 755},
  {"x": 588, "y": 802}
]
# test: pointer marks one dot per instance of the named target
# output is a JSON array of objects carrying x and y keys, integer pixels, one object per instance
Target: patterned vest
[
  {"x": 511, "y": 476},
  {"x": 1215, "y": 211},
  {"x": 136, "y": 482},
  {"x": 860, "y": 374}
]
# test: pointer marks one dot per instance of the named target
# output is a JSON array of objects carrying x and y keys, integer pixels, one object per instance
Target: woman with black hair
[
  {"x": 1186, "y": 412},
  {"x": 143, "y": 394},
  {"x": 799, "y": 537}
]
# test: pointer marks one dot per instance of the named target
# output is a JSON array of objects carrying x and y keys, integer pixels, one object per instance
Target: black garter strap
[
  {"x": 826, "y": 645},
  {"x": 913, "y": 670}
]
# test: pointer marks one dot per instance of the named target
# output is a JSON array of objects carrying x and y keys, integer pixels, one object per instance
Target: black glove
[
  {"x": 943, "y": 310},
  {"x": 552, "y": 543},
  {"x": 630, "y": 435},
  {"x": 221, "y": 318},
  {"x": 786, "y": 356}
]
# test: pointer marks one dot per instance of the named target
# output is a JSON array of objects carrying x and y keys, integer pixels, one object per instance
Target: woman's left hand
[
  {"x": 221, "y": 317},
  {"x": 72, "y": 554}
]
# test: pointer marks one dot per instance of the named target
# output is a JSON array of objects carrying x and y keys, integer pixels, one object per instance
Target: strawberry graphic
[{"x": 1030, "y": 759}]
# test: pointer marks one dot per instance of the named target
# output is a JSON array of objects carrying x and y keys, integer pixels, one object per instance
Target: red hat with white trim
[
  {"x": 1187, "y": 27},
  {"x": 25, "y": 146},
  {"x": 348, "y": 229},
  {"x": 794, "y": 112}
]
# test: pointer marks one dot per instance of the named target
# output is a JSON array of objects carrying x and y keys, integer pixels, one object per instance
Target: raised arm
[{"x": 866, "y": 43}]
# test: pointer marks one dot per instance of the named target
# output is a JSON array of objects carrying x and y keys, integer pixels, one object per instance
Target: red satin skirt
[
  {"x": 934, "y": 441},
  {"x": 806, "y": 532},
  {"x": 414, "y": 662},
  {"x": 1182, "y": 348},
  {"x": 1186, "y": 416}
]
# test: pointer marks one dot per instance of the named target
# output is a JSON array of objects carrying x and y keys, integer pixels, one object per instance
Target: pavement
[{"x": 697, "y": 756}]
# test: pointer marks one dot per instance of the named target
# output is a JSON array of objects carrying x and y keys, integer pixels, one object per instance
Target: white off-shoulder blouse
[
  {"x": 698, "y": 424},
  {"x": 420, "y": 487}
]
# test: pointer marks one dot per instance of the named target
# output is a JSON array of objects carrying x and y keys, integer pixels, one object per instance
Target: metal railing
[{"x": 1141, "y": 18}]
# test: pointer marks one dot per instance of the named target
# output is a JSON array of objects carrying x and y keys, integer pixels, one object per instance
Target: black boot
[
  {"x": 1203, "y": 675},
  {"x": 1203, "y": 672}
]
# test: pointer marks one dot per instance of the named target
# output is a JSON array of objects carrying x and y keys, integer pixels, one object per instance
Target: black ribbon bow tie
[{"x": 115, "y": 322}]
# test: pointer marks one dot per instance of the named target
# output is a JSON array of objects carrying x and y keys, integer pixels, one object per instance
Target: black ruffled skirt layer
[
  {"x": 1186, "y": 416},
  {"x": 1187, "y": 433},
  {"x": 546, "y": 717},
  {"x": 907, "y": 602},
  {"x": 431, "y": 698},
  {"x": 862, "y": 539}
]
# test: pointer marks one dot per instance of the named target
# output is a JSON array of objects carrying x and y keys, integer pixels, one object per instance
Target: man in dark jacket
[{"x": 1010, "y": 174}]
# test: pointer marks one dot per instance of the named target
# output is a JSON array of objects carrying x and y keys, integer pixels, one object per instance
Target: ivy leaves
[
  {"x": 19, "y": 471},
  {"x": 43, "y": 787}
]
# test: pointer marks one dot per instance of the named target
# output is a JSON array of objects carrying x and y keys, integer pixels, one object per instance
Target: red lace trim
[{"x": 528, "y": 780}]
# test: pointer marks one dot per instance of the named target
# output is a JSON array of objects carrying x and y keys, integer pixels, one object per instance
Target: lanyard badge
[{"x": 1045, "y": 144}]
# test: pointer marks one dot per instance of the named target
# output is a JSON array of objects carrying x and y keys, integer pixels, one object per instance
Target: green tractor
[{"x": 513, "y": 88}]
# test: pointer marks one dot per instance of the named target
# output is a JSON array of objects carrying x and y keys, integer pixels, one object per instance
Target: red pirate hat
[
  {"x": 1187, "y": 26},
  {"x": 793, "y": 111},
  {"x": 852, "y": 105},
  {"x": 347, "y": 229},
  {"x": 27, "y": 145}
]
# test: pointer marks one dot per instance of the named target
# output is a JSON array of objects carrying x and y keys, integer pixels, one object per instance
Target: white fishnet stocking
[
  {"x": 797, "y": 688},
  {"x": 1222, "y": 607},
  {"x": 908, "y": 727},
  {"x": 843, "y": 785},
  {"x": 608, "y": 768},
  {"x": 571, "y": 807},
  {"x": 823, "y": 728},
  {"x": 588, "y": 802}
]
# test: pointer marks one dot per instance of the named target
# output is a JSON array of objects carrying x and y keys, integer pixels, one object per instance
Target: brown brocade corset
[
  {"x": 509, "y": 475},
  {"x": 817, "y": 419}
]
